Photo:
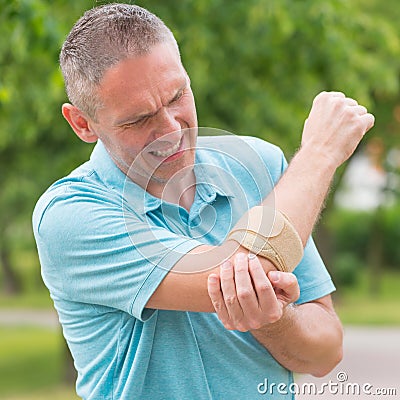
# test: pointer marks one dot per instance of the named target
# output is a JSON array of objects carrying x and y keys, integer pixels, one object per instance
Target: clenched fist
[{"x": 335, "y": 126}]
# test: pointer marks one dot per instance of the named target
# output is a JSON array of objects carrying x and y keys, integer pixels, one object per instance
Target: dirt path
[{"x": 41, "y": 318}]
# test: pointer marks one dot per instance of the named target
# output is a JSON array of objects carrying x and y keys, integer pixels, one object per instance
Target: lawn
[
  {"x": 39, "y": 299},
  {"x": 31, "y": 364},
  {"x": 57, "y": 393},
  {"x": 357, "y": 306}
]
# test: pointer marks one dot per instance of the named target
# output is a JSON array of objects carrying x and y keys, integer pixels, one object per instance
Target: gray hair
[{"x": 100, "y": 39}]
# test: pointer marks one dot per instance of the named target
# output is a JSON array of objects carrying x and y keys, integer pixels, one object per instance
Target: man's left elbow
[
  {"x": 333, "y": 354},
  {"x": 329, "y": 363}
]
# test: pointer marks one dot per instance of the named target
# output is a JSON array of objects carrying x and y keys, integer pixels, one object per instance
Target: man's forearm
[
  {"x": 307, "y": 339},
  {"x": 334, "y": 128},
  {"x": 301, "y": 191}
]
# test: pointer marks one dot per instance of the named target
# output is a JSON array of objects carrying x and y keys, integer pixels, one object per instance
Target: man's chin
[
  {"x": 147, "y": 173},
  {"x": 146, "y": 178},
  {"x": 170, "y": 176}
]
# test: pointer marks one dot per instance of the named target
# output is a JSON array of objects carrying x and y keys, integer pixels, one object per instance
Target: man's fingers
[
  {"x": 335, "y": 94},
  {"x": 267, "y": 300},
  {"x": 229, "y": 292},
  {"x": 244, "y": 287},
  {"x": 350, "y": 102},
  {"x": 369, "y": 121},
  {"x": 360, "y": 110},
  {"x": 288, "y": 285},
  {"x": 214, "y": 291}
]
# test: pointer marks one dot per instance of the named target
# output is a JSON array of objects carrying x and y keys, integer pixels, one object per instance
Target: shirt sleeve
[
  {"x": 89, "y": 250},
  {"x": 312, "y": 275}
]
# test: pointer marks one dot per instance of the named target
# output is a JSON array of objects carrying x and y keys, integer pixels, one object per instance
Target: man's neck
[{"x": 180, "y": 189}]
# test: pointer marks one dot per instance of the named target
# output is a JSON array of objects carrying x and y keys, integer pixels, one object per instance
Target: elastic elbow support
[{"x": 268, "y": 233}]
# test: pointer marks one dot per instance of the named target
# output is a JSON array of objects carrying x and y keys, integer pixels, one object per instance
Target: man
[{"x": 132, "y": 241}]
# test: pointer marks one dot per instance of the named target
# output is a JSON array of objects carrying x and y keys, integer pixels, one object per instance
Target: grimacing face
[{"x": 148, "y": 115}]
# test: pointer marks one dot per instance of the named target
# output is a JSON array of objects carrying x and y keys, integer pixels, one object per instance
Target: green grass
[
  {"x": 57, "y": 393},
  {"x": 31, "y": 364},
  {"x": 357, "y": 306},
  {"x": 39, "y": 299},
  {"x": 34, "y": 293}
]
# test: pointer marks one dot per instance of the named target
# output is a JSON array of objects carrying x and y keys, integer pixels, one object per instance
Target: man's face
[{"x": 148, "y": 116}]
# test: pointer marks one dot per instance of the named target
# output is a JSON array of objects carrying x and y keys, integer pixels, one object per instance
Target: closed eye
[
  {"x": 177, "y": 96},
  {"x": 143, "y": 119},
  {"x": 137, "y": 122}
]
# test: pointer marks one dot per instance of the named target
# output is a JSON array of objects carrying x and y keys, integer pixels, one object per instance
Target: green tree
[
  {"x": 36, "y": 146},
  {"x": 256, "y": 65}
]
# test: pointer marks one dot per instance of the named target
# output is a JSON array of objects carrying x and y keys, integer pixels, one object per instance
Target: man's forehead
[
  {"x": 162, "y": 59},
  {"x": 144, "y": 79}
]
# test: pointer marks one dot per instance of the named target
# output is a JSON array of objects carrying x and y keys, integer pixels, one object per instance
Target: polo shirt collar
[
  {"x": 105, "y": 167},
  {"x": 210, "y": 180},
  {"x": 115, "y": 179}
]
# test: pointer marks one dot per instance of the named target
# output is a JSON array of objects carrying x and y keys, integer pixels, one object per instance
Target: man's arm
[
  {"x": 335, "y": 126},
  {"x": 307, "y": 339},
  {"x": 304, "y": 338}
]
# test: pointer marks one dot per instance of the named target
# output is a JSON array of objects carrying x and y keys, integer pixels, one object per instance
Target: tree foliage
[
  {"x": 255, "y": 67},
  {"x": 35, "y": 145}
]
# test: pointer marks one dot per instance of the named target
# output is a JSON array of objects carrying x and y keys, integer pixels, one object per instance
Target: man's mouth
[{"x": 167, "y": 152}]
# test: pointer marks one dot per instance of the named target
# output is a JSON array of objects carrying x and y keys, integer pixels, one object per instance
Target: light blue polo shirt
[{"x": 105, "y": 245}]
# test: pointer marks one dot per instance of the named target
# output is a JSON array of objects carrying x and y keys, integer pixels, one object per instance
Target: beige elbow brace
[{"x": 269, "y": 234}]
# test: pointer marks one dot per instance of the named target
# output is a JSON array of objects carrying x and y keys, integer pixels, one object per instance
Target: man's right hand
[
  {"x": 246, "y": 298},
  {"x": 335, "y": 126}
]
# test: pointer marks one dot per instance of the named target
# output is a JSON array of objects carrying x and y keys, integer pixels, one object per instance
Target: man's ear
[{"x": 79, "y": 123}]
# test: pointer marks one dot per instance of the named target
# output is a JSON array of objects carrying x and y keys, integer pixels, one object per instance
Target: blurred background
[{"x": 255, "y": 67}]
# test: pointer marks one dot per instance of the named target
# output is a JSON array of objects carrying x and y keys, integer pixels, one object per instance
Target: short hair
[{"x": 101, "y": 38}]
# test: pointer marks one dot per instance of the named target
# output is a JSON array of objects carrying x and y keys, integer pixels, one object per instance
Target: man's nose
[{"x": 167, "y": 122}]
